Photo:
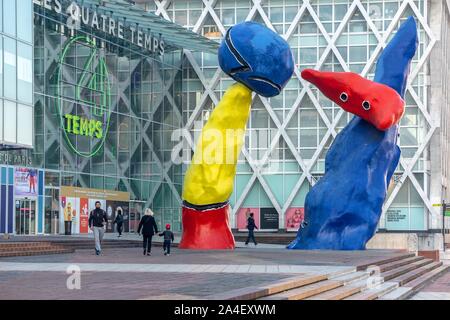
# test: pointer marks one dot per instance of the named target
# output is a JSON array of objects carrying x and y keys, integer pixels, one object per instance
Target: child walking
[{"x": 168, "y": 239}]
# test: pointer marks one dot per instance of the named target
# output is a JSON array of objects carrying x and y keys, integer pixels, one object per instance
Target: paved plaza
[
  {"x": 124, "y": 273},
  {"x": 127, "y": 274}
]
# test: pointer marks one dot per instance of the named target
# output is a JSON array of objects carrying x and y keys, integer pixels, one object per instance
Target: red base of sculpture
[{"x": 206, "y": 229}]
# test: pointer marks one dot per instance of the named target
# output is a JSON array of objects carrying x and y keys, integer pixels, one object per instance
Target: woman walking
[{"x": 149, "y": 228}]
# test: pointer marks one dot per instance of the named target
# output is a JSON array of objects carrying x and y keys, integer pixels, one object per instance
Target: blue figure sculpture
[
  {"x": 257, "y": 57},
  {"x": 343, "y": 209}
]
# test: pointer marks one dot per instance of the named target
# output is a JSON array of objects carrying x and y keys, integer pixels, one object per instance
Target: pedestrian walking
[
  {"x": 251, "y": 226},
  {"x": 168, "y": 239},
  {"x": 119, "y": 223},
  {"x": 97, "y": 223},
  {"x": 149, "y": 228}
]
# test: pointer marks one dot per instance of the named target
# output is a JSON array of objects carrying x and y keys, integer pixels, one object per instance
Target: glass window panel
[
  {"x": 357, "y": 54},
  {"x": 10, "y": 114},
  {"x": 417, "y": 221},
  {"x": 228, "y": 16},
  {"x": 339, "y": 11},
  {"x": 24, "y": 73},
  {"x": 25, "y": 125},
  {"x": 259, "y": 119},
  {"x": 193, "y": 16},
  {"x": 24, "y": 28},
  {"x": 10, "y": 67},
  {"x": 308, "y": 118},
  {"x": 357, "y": 39},
  {"x": 308, "y": 55},
  {"x": 241, "y": 14},
  {"x": 414, "y": 197},
  {"x": 1, "y": 120},
  {"x": 390, "y": 9},
  {"x": 276, "y": 14},
  {"x": 308, "y": 41},
  {"x": 1, "y": 64},
  {"x": 408, "y": 136},
  {"x": 9, "y": 20},
  {"x": 181, "y": 17},
  {"x": 308, "y": 137},
  {"x": 325, "y": 13},
  {"x": 402, "y": 195}
]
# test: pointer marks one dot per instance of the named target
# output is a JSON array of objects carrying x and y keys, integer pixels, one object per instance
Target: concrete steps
[
  {"x": 388, "y": 275},
  {"x": 410, "y": 276},
  {"x": 351, "y": 277},
  {"x": 13, "y": 249},
  {"x": 252, "y": 293},
  {"x": 340, "y": 293},
  {"x": 412, "y": 287},
  {"x": 267, "y": 238},
  {"x": 306, "y": 291},
  {"x": 28, "y": 248},
  {"x": 399, "y": 263},
  {"x": 395, "y": 278},
  {"x": 374, "y": 293},
  {"x": 386, "y": 261}
]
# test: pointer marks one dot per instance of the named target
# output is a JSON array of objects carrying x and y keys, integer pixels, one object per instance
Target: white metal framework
[{"x": 258, "y": 10}]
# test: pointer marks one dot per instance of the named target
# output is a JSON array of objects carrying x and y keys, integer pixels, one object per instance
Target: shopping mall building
[{"x": 103, "y": 100}]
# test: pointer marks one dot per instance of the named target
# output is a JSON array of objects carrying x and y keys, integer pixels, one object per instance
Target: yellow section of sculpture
[{"x": 210, "y": 177}]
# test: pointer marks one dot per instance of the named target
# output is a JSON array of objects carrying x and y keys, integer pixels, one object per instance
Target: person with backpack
[
  {"x": 149, "y": 228},
  {"x": 119, "y": 223}
]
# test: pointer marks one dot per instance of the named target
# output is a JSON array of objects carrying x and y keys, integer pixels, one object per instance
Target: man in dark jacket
[
  {"x": 168, "y": 239},
  {"x": 97, "y": 223},
  {"x": 149, "y": 228},
  {"x": 119, "y": 222},
  {"x": 251, "y": 228}
]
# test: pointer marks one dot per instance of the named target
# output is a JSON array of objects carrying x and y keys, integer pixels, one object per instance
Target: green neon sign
[{"x": 84, "y": 119}]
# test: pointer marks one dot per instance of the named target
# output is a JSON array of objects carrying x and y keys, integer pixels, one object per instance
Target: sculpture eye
[
  {"x": 366, "y": 105},
  {"x": 343, "y": 97}
]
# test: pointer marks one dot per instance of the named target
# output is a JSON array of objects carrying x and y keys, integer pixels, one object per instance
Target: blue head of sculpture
[{"x": 257, "y": 57}]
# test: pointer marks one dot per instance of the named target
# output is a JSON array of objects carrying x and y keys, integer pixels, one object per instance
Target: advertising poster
[
  {"x": 294, "y": 217},
  {"x": 91, "y": 207},
  {"x": 269, "y": 219},
  {"x": 134, "y": 217},
  {"x": 243, "y": 215},
  {"x": 84, "y": 215},
  {"x": 110, "y": 208},
  {"x": 126, "y": 216},
  {"x": 77, "y": 203},
  {"x": 26, "y": 182},
  {"x": 113, "y": 209}
]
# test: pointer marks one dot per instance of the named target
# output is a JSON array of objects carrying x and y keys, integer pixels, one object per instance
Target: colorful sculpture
[
  {"x": 344, "y": 207},
  {"x": 261, "y": 61}
]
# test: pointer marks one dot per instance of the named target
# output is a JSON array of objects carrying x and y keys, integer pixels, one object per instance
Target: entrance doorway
[
  {"x": 25, "y": 217},
  {"x": 51, "y": 220}
]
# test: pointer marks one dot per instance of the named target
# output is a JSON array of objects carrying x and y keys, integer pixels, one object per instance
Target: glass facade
[
  {"x": 289, "y": 135},
  {"x": 85, "y": 75},
  {"x": 16, "y": 73}
]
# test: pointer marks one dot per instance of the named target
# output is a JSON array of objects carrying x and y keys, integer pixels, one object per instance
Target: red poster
[
  {"x": 243, "y": 215},
  {"x": 84, "y": 215},
  {"x": 294, "y": 217}
]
